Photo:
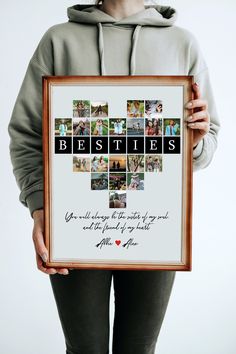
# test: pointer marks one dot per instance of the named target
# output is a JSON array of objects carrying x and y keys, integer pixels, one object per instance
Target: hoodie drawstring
[
  {"x": 132, "y": 62},
  {"x": 101, "y": 49}
]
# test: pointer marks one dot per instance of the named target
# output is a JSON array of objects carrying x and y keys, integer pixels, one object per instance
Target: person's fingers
[
  {"x": 41, "y": 250},
  {"x": 196, "y": 91},
  {"x": 203, "y": 126},
  {"x": 39, "y": 245},
  {"x": 49, "y": 270},
  {"x": 42, "y": 268},
  {"x": 196, "y": 96},
  {"x": 198, "y": 103},
  {"x": 63, "y": 271},
  {"x": 201, "y": 115}
]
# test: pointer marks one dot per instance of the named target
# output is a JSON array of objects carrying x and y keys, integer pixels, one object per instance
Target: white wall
[{"x": 201, "y": 315}]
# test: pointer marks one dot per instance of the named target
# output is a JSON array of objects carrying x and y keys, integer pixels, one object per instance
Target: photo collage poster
[{"x": 116, "y": 156}]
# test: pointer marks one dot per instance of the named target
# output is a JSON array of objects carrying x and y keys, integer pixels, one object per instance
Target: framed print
[{"x": 117, "y": 172}]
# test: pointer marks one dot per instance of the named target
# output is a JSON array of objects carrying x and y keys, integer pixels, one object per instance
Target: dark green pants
[{"x": 141, "y": 299}]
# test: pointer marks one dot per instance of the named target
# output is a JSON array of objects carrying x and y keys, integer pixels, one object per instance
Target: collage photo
[{"x": 113, "y": 172}]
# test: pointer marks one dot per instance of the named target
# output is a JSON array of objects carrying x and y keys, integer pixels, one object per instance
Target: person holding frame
[{"x": 78, "y": 48}]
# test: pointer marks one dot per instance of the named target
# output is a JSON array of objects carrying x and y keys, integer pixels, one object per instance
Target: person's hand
[
  {"x": 40, "y": 248},
  {"x": 199, "y": 121}
]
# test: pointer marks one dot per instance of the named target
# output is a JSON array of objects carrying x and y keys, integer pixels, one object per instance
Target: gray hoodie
[{"x": 94, "y": 43}]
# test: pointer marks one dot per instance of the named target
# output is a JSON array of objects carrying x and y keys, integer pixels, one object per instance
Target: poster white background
[
  {"x": 163, "y": 242},
  {"x": 201, "y": 314}
]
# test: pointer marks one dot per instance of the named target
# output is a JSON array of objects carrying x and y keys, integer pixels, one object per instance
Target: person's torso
[{"x": 159, "y": 50}]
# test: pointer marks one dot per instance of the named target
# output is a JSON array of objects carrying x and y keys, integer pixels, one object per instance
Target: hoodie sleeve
[
  {"x": 203, "y": 153},
  {"x": 25, "y": 128}
]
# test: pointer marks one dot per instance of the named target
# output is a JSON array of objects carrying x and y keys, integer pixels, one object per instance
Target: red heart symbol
[{"x": 118, "y": 242}]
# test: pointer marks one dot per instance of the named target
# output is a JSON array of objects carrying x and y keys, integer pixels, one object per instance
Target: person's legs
[
  {"x": 82, "y": 298},
  {"x": 141, "y": 299}
]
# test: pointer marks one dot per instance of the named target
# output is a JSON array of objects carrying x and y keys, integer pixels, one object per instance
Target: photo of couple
[
  {"x": 135, "y": 108},
  {"x": 117, "y": 163},
  {"x": 135, "y": 163},
  {"x": 99, "y": 109},
  {"x": 153, "y": 109},
  {"x": 154, "y": 163},
  {"x": 117, "y": 199},
  {"x": 81, "y": 126},
  {"x": 153, "y": 127},
  {"x": 172, "y": 126},
  {"x": 81, "y": 163},
  {"x": 81, "y": 108},
  {"x": 99, "y": 163}
]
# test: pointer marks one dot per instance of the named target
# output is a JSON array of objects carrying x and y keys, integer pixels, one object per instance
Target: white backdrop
[{"x": 201, "y": 315}]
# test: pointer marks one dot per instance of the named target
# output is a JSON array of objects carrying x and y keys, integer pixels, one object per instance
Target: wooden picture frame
[{"x": 117, "y": 157}]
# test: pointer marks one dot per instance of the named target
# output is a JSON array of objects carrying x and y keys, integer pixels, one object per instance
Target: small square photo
[
  {"x": 117, "y": 199},
  {"x": 81, "y": 108},
  {"x": 117, "y": 126},
  {"x": 99, "y": 109},
  {"x": 99, "y": 163},
  {"x": 135, "y": 127},
  {"x": 81, "y": 163},
  {"x": 172, "y": 127},
  {"x": 81, "y": 127},
  {"x": 117, "y": 181},
  {"x": 135, "y": 181},
  {"x": 63, "y": 126},
  {"x": 153, "y": 163},
  {"x": 135, "y": 108},
  {"x": 99, "y": 181},
  {"x": 153, "y": 127},
  {"x": 135, "y": 163},
  {"x": 153, "y": 109},
  {"x": 99, "y": 127},
  {"x": 117, "y": 163}
]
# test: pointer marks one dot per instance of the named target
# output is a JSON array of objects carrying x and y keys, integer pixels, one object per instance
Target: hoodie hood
[{"x": 152, "y": 15}]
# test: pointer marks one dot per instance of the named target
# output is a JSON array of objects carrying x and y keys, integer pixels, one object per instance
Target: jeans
[{"x": 82, "y": 299}]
